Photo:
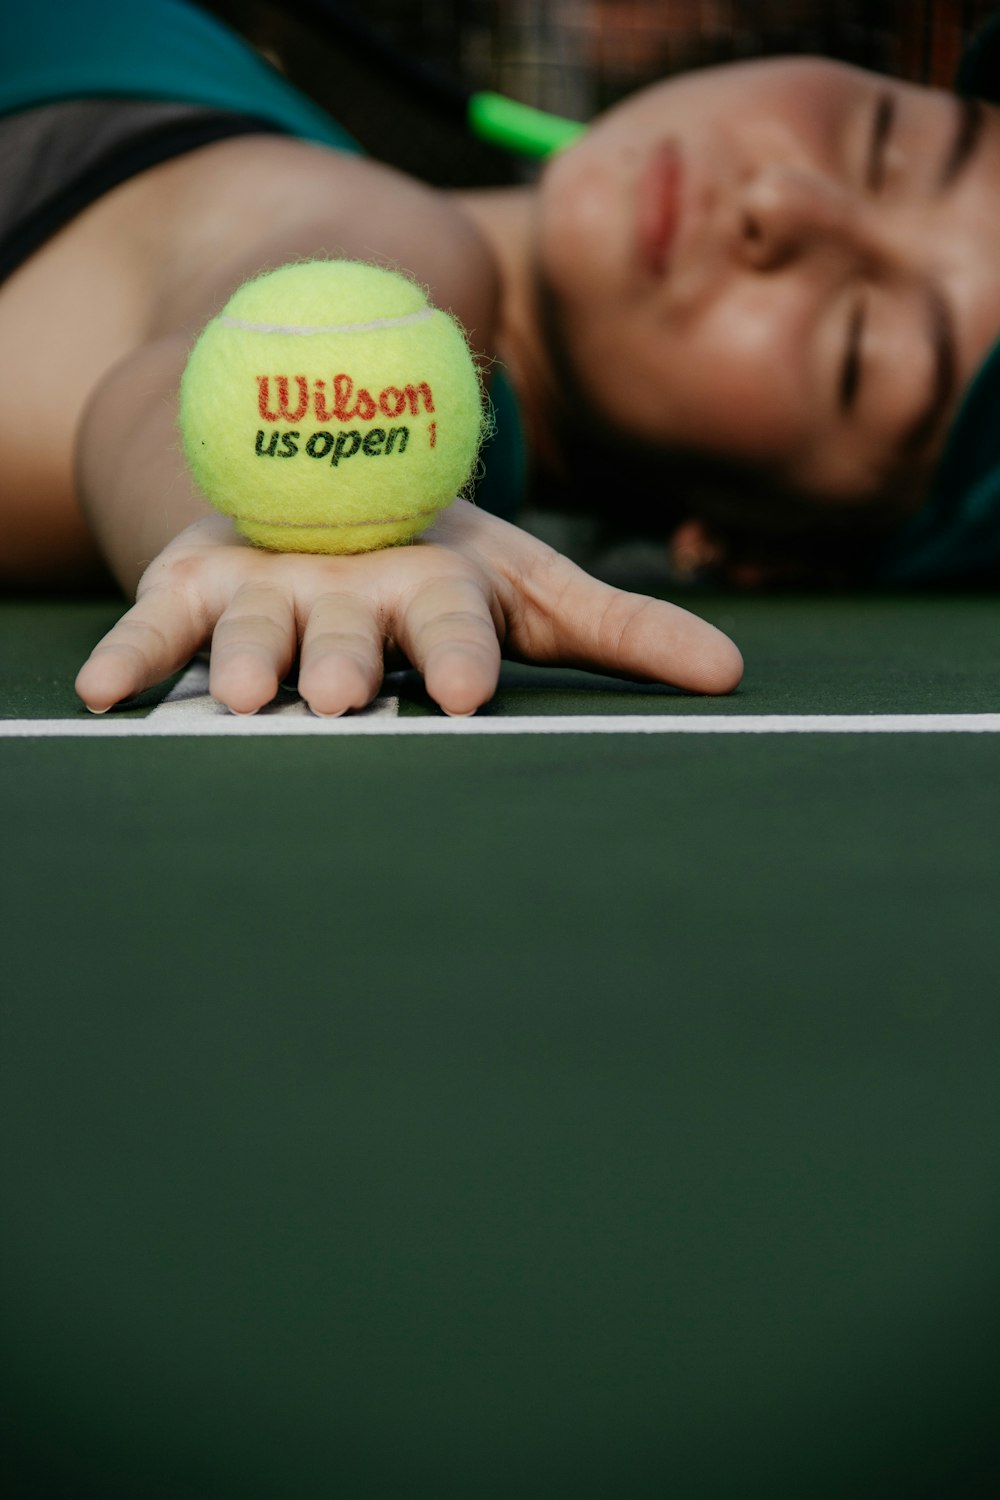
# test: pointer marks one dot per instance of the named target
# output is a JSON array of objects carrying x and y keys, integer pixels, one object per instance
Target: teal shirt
[
  {"x": 170, "y": 50},
  {"x": 146, "y": 49}
]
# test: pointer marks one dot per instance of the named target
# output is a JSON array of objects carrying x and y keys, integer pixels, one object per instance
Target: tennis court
[{"x": 595, "y": 1098}]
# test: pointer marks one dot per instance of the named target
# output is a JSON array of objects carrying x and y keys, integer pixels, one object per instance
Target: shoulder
[
  {"x": 160, "y": 253},
  {"x": 242, "y": 205}
]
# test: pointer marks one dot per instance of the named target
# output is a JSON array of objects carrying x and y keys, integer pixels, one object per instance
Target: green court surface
[{"x": 534, "y": 1115}]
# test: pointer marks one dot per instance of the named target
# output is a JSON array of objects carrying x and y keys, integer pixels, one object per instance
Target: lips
[{"x": 659, "y": 207}]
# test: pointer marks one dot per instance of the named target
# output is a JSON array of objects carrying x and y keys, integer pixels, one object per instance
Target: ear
[
  {"x": 696, "y": 553},
  {"x": 694, "y": 550}
]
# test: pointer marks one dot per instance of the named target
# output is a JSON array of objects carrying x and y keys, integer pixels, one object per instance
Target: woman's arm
[{"x": 446, "y": 603}]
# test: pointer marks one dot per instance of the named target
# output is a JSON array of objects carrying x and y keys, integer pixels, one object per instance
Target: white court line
[
  {"x": 189, "y": 701},
  {"x": 189, "y": 710},
  {"x": 218, "y": 722}
]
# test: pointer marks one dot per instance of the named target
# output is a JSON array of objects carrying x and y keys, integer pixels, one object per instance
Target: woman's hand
[{"x": 448, "y": 604}]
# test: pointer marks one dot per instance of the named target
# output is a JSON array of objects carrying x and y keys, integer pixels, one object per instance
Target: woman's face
[{"x": 792, "y": 263}]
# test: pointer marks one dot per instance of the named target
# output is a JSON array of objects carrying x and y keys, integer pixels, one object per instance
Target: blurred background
[{"x": 573, "y": 57}]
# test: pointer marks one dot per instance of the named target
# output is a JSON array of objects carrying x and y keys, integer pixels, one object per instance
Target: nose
[{"x": 786, "y": 212}]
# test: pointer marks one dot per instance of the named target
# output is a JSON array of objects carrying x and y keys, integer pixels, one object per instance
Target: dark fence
[{"x": 571, "y": 56}]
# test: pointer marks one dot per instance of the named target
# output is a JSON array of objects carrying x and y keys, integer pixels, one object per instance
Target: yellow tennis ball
[{"x": 330, "y": 408}]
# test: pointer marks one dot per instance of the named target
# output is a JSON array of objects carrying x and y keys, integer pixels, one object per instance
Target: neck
[{"x": 505, "y": 217}]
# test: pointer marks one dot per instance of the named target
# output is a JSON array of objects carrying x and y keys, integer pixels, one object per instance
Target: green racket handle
[{"x": 519, "y": 127}]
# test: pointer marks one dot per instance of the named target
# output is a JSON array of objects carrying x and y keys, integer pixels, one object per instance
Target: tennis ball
[{"x": 330, "y": 408}]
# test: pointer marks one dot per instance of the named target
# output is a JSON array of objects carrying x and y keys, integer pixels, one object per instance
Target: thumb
[{"x": 567, "y": 618}]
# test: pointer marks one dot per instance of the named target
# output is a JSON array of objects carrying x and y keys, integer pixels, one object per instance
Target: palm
[{"x": 447, "y": 604}]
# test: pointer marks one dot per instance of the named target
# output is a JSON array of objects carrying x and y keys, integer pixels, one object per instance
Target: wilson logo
[{"x": 291, "y": 398}]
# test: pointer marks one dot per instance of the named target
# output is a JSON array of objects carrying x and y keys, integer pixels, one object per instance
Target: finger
[
  {"x": 447, "y": 631},
  {"x": 157, "y": 636},
  {"x": 575, "y": 620},
  {"x": 253, "y": 646},
  {"x": 342, "y": 655},
  {"x": 558, "y": 614}
]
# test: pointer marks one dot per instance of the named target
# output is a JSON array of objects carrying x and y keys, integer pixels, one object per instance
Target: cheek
[
  {"x": 583, "y": 224},
  {"x": 731, "y": 381},
  {"x": 976, "y": 299}
]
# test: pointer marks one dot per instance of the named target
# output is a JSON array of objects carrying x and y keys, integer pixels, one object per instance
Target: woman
[{"x": 780, "y": 271}]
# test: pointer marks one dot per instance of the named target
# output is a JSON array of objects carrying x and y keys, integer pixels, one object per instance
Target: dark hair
[{"x": 758, "y": 520}]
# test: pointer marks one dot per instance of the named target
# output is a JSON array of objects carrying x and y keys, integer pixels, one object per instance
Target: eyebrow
[
  {"x": 941, "y": 333},
  {"x": 970, "y": 118}
]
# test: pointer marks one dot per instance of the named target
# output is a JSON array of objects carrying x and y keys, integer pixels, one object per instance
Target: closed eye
[
  {"x": 850, "y": 370},
  {"x": 882, "y": 125}
]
